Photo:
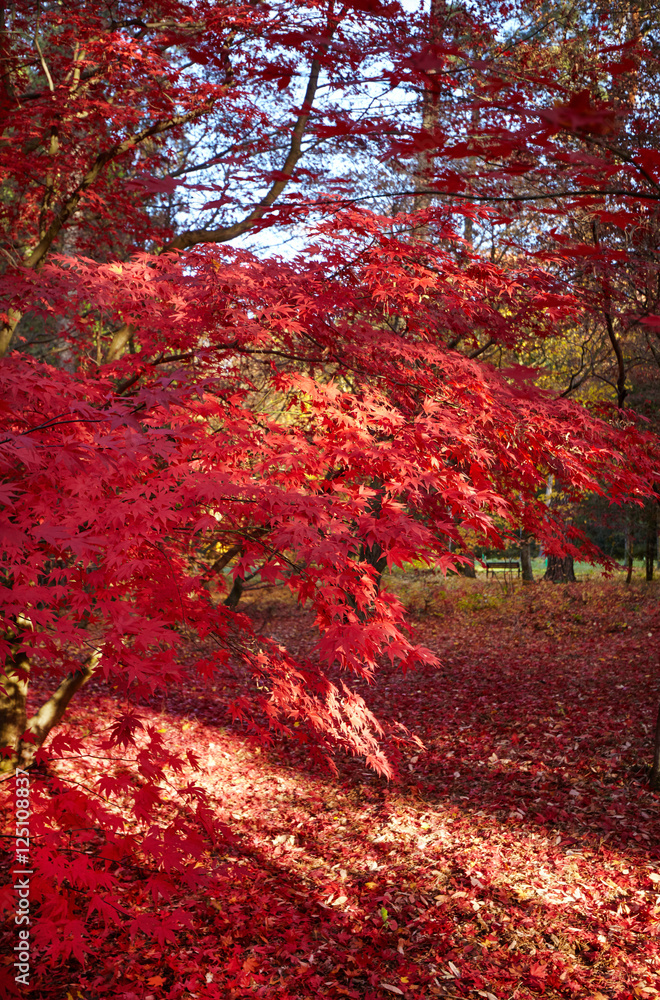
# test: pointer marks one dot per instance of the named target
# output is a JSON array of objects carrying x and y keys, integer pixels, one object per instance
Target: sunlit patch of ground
[{"x": 517, "y": 856}]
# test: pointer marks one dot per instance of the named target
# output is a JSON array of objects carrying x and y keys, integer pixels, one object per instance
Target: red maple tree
[{"x": 170, "y": 405}]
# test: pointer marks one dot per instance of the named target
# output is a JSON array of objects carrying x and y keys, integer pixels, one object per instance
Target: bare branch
[
  {"x": 44, "y": 66},
  {"x": 102, "y": 160},
  {"x": 195, "y": 236}
]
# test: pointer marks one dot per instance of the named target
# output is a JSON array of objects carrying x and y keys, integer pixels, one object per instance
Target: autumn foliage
[{"x": 183, "y": 410}]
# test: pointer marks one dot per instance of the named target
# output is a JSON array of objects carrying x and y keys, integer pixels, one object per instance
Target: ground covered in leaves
[{"x": 517, "y": 856}]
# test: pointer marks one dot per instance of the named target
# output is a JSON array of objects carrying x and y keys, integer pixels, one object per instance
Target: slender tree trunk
[
  {"x": 549, "y": 487},
  {"x": 654, "y": 779},
  {"x": 651, "y": 536},
  {"x": 630, "y": 545},
  {"x": 560, "y": 570},
  {"x": 373, "y": 554},
  {"x": 430, "y": 111},
  {"x": 526, "y": 560},
  {"x": 235, "y": 594}
]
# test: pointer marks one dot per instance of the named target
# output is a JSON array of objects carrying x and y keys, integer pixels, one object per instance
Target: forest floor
[{"x": 518, "y": 854}]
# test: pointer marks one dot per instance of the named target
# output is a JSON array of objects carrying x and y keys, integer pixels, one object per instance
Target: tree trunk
[
  {"x": 549, "y": 487},
  {"x": 467, "y": 569},
  {"x": 7, "y": 331},
  {"x": 430, "y": 109},
  {"x": 654, "y": 779},
  {"x": 630, "y": 543},
  {"x": 560, "y": 570},
  {"x": 526, "y": 560},
  {"x": 373, "y": 554},
  {"x": 14, "y": 724},
  {"x": 235, "y": 594},
  {"x": 651, "y": 536},
  {"x": 14, "y": 681}
]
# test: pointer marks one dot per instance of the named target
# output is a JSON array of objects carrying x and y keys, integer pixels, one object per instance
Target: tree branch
[
  {"x": 195, "y": 236},
  {"x": 52, "y": 710},
  {"x": 102, "y": 160}
]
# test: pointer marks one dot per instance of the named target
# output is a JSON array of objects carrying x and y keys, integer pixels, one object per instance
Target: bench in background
[{"x": 508, "y": 565}]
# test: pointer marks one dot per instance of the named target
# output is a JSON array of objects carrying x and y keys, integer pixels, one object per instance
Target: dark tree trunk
[
  {"x": 651, "y": 536},
  {"x": 526, "y": 560},
  {"x": 654, "y": 779},
  {"x": 630, "y": 543},
  {"x": 373, "y": 555},
  {"x": 560, "y": 570},
  {"x": 467, "y": 569},
  {"x": 235, "y": 594}
]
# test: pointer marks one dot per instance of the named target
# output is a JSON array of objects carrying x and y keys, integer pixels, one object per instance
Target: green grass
[{"x": 583, "y": 570}]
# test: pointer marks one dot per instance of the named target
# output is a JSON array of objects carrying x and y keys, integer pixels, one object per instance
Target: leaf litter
[{"x": 516, "y": 855}]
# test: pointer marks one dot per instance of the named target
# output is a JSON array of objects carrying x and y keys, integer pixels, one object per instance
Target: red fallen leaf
[{"x": 155, "y": 981}]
